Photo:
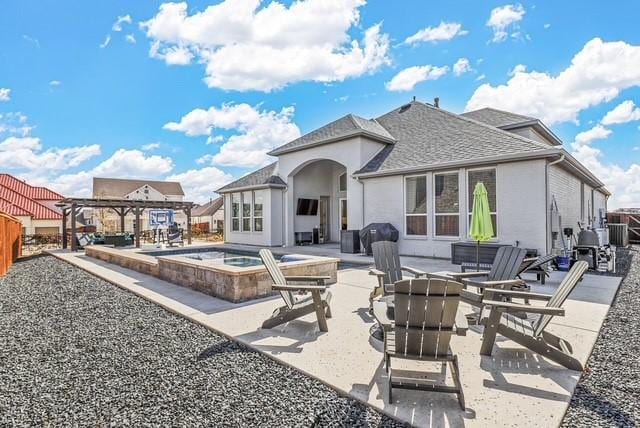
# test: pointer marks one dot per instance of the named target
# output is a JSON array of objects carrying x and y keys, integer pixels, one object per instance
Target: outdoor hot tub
[{"x": 232, "y": 275}]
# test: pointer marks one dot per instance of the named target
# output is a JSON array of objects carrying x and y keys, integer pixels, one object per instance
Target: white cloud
[
  {"x": 34, "y": 41},
  {"x": 444, "y": 31},
  {"x": 213, "y": 139},
  {"x": 622, "y": 113},
  {"x": 27, "y": 153},
  {"x": 106, "y": 42},
  {"x": 504, "y": 17},
  {"x": 547, "y": 26},
  {"x": 596, "y": 74},
  {"x": 130, "y": 38},
  {"x": 481, "y": 77},
  {"x": 5, "y": 94},
  {"x": 247, "y": 47},
  {"x": 117, "y": 26},
  {"x": 14, "y": 123},
  {"x": 175, "y": 55},
  {"x": 257, "y": 132},
  {"x": 624, "y": 184},
  {"x": 122, "y": 164},
  {"x": 199, "y": 184},
  {"x": 519, "y": 68},
  {"x": 461, "y": 66},
  {"x": 598, "y": 132},
  {"x": 149, "y": 147},
  {"x": 55, "y": 83},
  {"x": 408, "y": 78}
]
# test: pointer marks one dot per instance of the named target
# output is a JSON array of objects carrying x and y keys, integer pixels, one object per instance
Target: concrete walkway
[{"x": 513, "y": 387}]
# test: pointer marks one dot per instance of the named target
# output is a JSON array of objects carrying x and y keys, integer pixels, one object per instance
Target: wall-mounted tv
[{"x": 307, "y": 207}]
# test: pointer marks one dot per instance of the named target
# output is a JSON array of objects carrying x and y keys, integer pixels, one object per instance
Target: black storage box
[{"x": 350, "y": 241}]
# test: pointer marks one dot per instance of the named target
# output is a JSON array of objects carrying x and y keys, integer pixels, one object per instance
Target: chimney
[
  {"x": 414, "y": 98},
  {"x": 436, "y": 102}
]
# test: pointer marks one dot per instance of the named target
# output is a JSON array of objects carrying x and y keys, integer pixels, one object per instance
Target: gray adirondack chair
[
  {"x": 425, "y": 317},
  {"x": 537, "y": 265},
  {"x": 503, "y": 318},
  {"x": 388, "y": 269},
  {"x": 297, "y": 305},
  {"x": 502, "y": 275}
]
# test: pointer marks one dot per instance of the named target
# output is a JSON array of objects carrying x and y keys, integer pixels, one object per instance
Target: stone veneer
[{"x": 232, "y": 283}]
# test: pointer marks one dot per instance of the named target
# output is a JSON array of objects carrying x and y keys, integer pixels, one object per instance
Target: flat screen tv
[{"x": 307, "y": 207}]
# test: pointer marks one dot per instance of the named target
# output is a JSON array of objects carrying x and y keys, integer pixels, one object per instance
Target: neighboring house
[
  {"x": 415, "y": 167},
  {"x": 211, "y": 213},
  {"x": 116, "y": 188},
  {"x": 33, "y": 206}
]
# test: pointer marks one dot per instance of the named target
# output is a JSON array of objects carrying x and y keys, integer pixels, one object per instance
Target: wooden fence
[
  {"x": 631, "y": 219},
  {"x": 10, "y": 246}
]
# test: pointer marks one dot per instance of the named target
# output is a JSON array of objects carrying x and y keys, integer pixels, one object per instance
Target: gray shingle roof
[
  {"x": 263, "y": 177},
  {"x": 427, "y": 135},
  {"x": 209, "y": 208},
  {"x": 347, "y": 126},
  {"x": 497, "y": 118},
  {"x": 117, "y": 188}
]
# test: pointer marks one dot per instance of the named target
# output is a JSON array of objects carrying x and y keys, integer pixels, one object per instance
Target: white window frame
[
  {"x": 253, "y": 210},
  {"x": 404, "y": 206},
  {"x": 345, "y": 182},
  {"x": 470, "y": 201},
  {"x": 242, "y": 217},
  {"x": 433, "y": 202},
  {"x": 239, "y": 216}
]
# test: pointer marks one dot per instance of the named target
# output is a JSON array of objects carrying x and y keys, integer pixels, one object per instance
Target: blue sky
[{"x": 258, "y": 74}]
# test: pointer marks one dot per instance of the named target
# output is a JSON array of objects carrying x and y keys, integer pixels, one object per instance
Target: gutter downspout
[
  {"x": 362, "y": 184},
  {"x": 546, "y": 201},
  {"x": 283, "y": 233}
]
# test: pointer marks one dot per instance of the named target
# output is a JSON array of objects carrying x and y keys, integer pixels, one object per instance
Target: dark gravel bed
[
  {"x": 608, "y": 393},
  {"x": 78, "y": 351}
]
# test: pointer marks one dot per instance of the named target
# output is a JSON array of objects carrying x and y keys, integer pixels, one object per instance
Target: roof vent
[
  {"x": 405, "y": 108},
  {"x": 436, "y": 102}
]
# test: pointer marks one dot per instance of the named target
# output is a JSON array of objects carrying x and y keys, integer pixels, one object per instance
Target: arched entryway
[{"x": 318, "y": 201}]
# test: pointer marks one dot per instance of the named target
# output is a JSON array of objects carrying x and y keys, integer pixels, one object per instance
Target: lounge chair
[
  {"x": 297, "y": 305},
  {"x": 175, "y": 238},
  {"x": 388, "y": 269},
  {"x": 537, "y": 265},
  {"x": 503, "y": 318},
  {"x": 425, "y": 316},
  {"x": 502, "y": 275}
]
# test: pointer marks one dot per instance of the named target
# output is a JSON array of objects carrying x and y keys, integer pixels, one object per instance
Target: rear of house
[{"x": 415, "y": 167}]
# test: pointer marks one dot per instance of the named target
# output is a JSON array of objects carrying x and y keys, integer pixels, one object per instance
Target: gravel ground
[
  {"x": 75, "y": 350},
  {"x": 608, "y": 393}
]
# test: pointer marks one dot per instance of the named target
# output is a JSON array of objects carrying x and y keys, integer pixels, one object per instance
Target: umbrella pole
[{"x": 477, "y": 256}]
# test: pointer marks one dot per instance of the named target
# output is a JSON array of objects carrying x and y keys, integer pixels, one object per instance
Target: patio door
[
  {"x": 323, "y": 209},
  {"x": 343, "y": 214}
]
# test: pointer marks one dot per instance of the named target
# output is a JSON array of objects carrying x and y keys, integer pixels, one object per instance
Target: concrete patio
[{"x": 513, "y": 387}]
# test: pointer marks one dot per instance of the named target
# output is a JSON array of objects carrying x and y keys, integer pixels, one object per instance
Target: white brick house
[{"x": 415, "y": 167}]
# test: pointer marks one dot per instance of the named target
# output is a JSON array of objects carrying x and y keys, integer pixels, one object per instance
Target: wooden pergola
[{"x": 72, "y": 206}]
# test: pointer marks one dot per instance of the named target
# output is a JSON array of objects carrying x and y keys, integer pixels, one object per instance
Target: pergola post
[
  {"x": 137, "y": 228},
  {"x": 74, "y": 243},
  {"x": 64, "y": 228},
  {"x": 121, "y": 219},
  {"x": 188, "y": 213}
]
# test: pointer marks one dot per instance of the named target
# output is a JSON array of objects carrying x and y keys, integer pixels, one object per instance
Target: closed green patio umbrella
[{"x": 481, "y": 229}]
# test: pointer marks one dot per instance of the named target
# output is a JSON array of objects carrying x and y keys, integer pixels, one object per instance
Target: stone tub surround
[
  {"x": 128, "y": 259},
  {"x": 231, "y": 283}
]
